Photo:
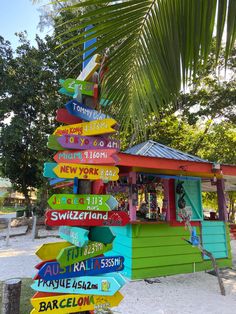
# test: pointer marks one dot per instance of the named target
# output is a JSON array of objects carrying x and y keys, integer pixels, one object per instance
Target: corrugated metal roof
[{"x": 154, "y": 149}]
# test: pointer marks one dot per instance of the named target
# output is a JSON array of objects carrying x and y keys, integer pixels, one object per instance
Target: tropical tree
[{"x": 154, "y": 47}]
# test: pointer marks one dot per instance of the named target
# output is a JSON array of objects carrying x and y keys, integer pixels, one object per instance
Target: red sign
[
  {"x": 105, "y": 156},
  {"x": 64, "y": 116},
  {"x": 86, "y": 218}
]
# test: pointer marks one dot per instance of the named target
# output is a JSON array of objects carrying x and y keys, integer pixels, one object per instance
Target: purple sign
[{"x": 87, "y": 142}]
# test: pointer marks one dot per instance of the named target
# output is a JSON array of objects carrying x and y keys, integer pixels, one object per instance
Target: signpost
[
  {"x": 51, "y": 250},
  {"x": 86, "y": 142},
  {"x": 53, "y": 143},
  {"x": 90, "y": 267},
  {"x": 86, "y": 88},
  {"x": 86, "y": 218},
  {"x": 74, "y": 235},
  {"x": 95, "y": 127},
  {"x": 84, "y": 112},
  {"x": 90, "y": 68},
  {"x": 105, "y": 156},
  {"x": 74, "y": 254},
  {"x": 64, "y": 116},
  {"x": 82, "y": 202},
  {"x": 71, "y": 303},
  {"x": 91, "y": 172},
  {"x": 97, "y": 285}
]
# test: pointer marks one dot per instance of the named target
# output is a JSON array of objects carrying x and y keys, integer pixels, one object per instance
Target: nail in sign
[
  {"x": 95, "y": 127},
  {"x": 92, "y": 172},
  {"x": 105, "y": 156},
  {"x": 86, "y": 142},
  {"x": 89, "y": 267},
  {"x": 82, "y": 202},
  {"x": 84, "y": 112},
  {"x": 86, "y": 218},
  {"x": 72, "y": 303},
  {"x": 74, "y": 254},
  {"x": 97, "y": 285}
]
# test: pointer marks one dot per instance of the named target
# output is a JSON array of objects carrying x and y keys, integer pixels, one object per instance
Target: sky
[{"x": 17, "y": 16}]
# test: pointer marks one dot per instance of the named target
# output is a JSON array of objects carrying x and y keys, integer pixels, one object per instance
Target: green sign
[
  {"x": 86, "y": 88},
  {"x": 82, "y": 202},
  {"x": 74, "y": 254}
]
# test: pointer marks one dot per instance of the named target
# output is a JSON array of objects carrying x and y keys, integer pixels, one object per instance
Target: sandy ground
[{"x": 181, "y": 294}]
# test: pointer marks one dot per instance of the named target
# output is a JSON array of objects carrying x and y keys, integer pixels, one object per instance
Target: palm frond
[{"x": 155, "y": 46}]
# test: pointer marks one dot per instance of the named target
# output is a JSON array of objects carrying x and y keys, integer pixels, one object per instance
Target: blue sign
[
  {"x": 87, "y": 44},
  {"x": 84, "y": 112},
  {"x": 89, "y": 267}
]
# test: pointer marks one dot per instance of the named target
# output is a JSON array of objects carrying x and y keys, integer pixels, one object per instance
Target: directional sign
[
  {"x": 90, "y": 68},
  {"x": 82, "y": 202},
  {"x": 53, "y": 143},
  {"x": 101, "y": 234},
  {"x": 81, "y": 285},
  {"x": 95, "y": 127},
  {"x": 51, "y": 250},
  {"x": 102, "y": 156},
  {"x": 89, "y": 267},
  {"x": 86, "y": 88},
  {"x": 86, "y": 218},
  {"x": 86, "y": 142},
  {"x": 74, "y": 254},
  {"x": 70, "y": 171},
  {"x": 72, "y": 303},
  {"x": 74, "y": 235},
  {"x": 64, "y": 116},
  {"x": 84, "y": 112},
  {"x": 65, "y": 92}
]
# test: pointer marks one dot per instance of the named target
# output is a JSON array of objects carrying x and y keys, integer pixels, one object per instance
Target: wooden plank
[
  {"x": 71, "y": 141},
  {"x": 63, "y": 116},
  {"x": 73, "y": 254},
  {"x": 51, "y": 250},
  {"x": 53, "y": 143},
  {"x": 97, "y": 285},
  {"x": 74, "y": 235},
  {"x": 86, "y": 172},
  {"x": 82, "y": 202},
  {"x": 86, "y": 218},
  {"x": 90, "y": 68},
  {"x": 101, "y": 234},
  {"x": 89, "y": 267},
  {"x": 95, "y": 127},
  {"x": 158, "y": 231},
  {"x": 92, "y": 156},
  {"x": 84, "y": 112},
  {"x": 86, "y": 88},
  {"x": 71, "y": 303}
]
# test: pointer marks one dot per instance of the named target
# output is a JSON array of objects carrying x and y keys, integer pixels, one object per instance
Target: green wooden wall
[{"x": 153, "y": 250}]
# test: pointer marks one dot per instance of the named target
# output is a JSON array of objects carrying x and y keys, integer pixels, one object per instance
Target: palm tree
[{"x": 154, "y": 48}]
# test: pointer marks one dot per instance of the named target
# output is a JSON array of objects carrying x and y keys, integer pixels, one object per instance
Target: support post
[
  {"x": 11, "y": 296},
  {"x": 8, "y": 231},
  {"x": 220, "y": 186},
  {"x": 132, "y": 196}
]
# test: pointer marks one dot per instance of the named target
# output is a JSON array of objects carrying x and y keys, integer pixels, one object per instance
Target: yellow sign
[
  {"x": 90, "y": 172},
  {"x": 95, "y": 127},
  {"x": 50, "y": 250},
  {"x": 72, "y": 303},
  {"x": 90, "y": 68}
]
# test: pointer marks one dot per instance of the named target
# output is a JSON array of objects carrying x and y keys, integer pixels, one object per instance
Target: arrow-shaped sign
[
  {"x": 53, "y": 143},
  {"x": 90, "y": 68},
  {"x": 64, "y": 116},
  {"x": 72, "y": 303},
  {"x": 82, "y": 202},
  {"x": 74, "y": 235},
  {"x": 51, "y": 250},
  {"x": 89, "y": 267},
  {"x": 81, "y": 285},
  {"x": 105, "y": 156},
  {"x": 86, "y": 142},
  {"x": 95, "y": 127},
  {"x": 86, "y": 88},
  {"x": 84, "y": 112},
  {"x": 70, "y": 171},
  {"x": 74, "y": 254},
  {"x": 86, "y": 218},
  {"x": 101, "y": 234}
]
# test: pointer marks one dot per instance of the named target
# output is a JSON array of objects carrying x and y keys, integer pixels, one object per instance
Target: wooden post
[
  {"x": 220, "y": 186},
  {"x": 8, "y": 231},
  {"x": 34, "y": 228},
  {"x": 11, "y": 296},
  {"x": 132, "y": 196}
]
